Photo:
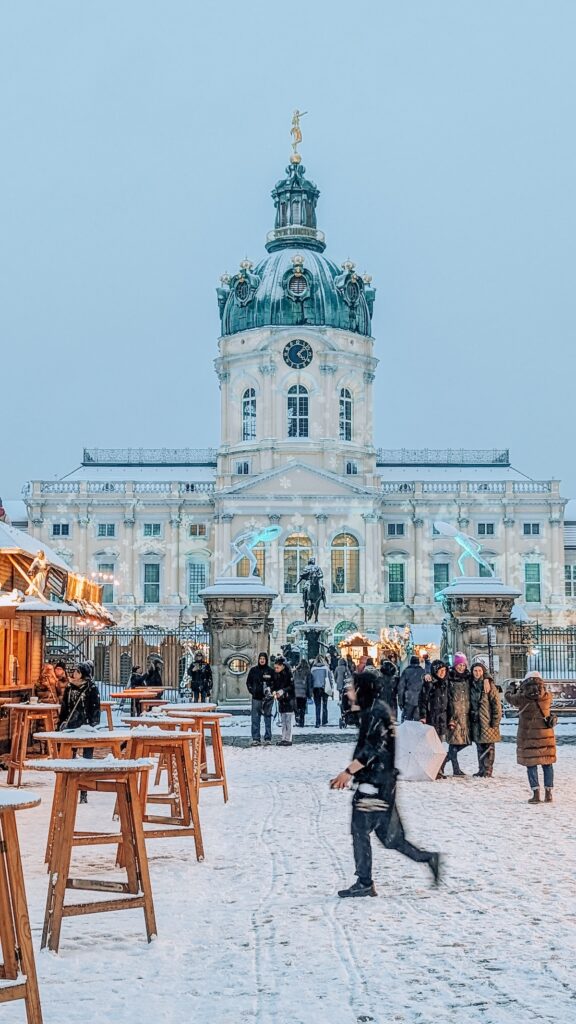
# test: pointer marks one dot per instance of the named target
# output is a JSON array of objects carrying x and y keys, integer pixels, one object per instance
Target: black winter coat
[
  {"x": 283, "y": 681},
  {"x": 389, "y": 691},
  {"x": 375, "y": 748},
  {"x": 433, "y": 705},
  {"x": 80, "y": 706},
  {"x": 259, "y": 679},
  {"x": 200, "y": 677},
  {"x": 410, "y": 686}
]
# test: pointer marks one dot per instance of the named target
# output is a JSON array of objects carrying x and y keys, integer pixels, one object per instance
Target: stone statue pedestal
[
  {"x": 238, "y": 621},
  {"x": 478, "y": 620},
  {"x": 312, "y": 635}
]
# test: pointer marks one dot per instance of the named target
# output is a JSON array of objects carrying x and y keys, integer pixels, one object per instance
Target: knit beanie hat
[{"x": 460, "y": 659}]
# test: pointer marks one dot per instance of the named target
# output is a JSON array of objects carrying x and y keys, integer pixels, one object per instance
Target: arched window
[
  {"x": 297, "y": 551},
  {"x": 344, "y": 629},
  {"x": 297, "y": 411},
  {"x": 249, "y": 415},
  {"x": 345, "y": 564},
  {"x": 345, "y": 415},
  {"x": 292, "y": 630},
  {"x": 243, "y": 567}
]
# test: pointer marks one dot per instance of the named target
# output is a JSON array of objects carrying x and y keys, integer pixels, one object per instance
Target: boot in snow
[
  {"x": 434, "y": 865},
  {"x": 535, "y": 798},
  {"x": 548, "y": 796},
  {"x": 358, "y": 889}
]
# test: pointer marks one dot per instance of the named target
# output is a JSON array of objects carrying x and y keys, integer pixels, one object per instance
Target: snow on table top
[
  {"x": 84, "y": 764},
  {"x": 31, "y": 706},
  {"x": 92, "y": 735},
  {"x": 16, "y": 799},
  {"x": 164, "y": 734}
]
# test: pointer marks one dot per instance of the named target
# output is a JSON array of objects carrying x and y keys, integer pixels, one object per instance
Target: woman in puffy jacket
[
  {"x": 535, "y": 740},
  {"x": 434, "y": 701},
  {"x": 485, "y": 717}
]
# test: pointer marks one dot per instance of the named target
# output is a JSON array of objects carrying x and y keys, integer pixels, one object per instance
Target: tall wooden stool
[
  {"x": 208, "y": 723},
  {"x": 120, "y": 778},
  {"x": 21, "y": 718},
  {"x": 18, "y": 971},
  {"x": 180, "y": 753},
  {"x": 163, "y": 722},
  {"x": 107, "y": 707}
]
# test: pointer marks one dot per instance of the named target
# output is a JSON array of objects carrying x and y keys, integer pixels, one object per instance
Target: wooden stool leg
[
  {"x": 125, "y": 857},
  {"x": 192, "y": 802},
  {"x": 56, "y": 804},
  {"x": 8, "y": 941},
  {"x": 60, "y": 864},
  {"x": 14, "y": 747},
  {"x": 219, "y": 765},
  {"x": 141, "y": 856},
  {"x": 21, "y": 919}
]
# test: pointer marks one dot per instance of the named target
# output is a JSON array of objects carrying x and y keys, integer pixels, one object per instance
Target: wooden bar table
[
  {"x": 188, "y": 706},
  {"x": 136, "y": 694},
  {"x": 209, "y": 722},
  {"x": 122, "y": 779},
  {"x": 108, "y": 707},
  {"x": 18, "y": 971},
  {"x": 21, "y": 718}
]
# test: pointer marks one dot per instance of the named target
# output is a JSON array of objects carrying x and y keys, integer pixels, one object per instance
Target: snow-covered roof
[
  {"x": 481, "y": 473},
  {"x": 14, "y": 541},
  {"x": 182, "y": 474},
  {"x": 479, "y": 586}
]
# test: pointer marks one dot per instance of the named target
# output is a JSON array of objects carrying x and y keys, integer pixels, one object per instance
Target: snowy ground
[{"x": 257, "y": 934}]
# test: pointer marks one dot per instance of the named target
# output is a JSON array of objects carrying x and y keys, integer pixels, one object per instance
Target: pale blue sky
[{"x": 140, "y": 141}]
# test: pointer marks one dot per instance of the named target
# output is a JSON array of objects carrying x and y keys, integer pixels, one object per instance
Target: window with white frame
[
  {"x": 441, "y": 576},
  {"x": 60, "y": 529},
  {"x": 196, "y": 580},
  {"x": 297, "y": 551},
  {"x": 396, "y": 582},
  {"x": 570, "y": 580},
  {"x": 351, "y": 468},
  {"x": 249, "y": 415},
  {"x": 345, "y": 421},
  {"x": 297, "y": 409},
  {"x": 485, "y": 529},
  {"x": 151, "y": 583},
  {"x": 197, "y": 529},
  {"x": 531, "y": 529},
  {"x": 483, "y": 571},
  {"x": 106, "y": 529},
  {"x": 345, "y": 564},
  {"x": 532, "y": 590},
  {"x": 243, "y": 468},
  {"x": 344, "y": 629},
  {"x": 152, "y": 529},
  {"x": 395, "y": 529},
  {"x": 106, "y": 581}
]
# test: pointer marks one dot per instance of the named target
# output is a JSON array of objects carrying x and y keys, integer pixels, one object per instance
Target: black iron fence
[
  {"x": 549, "y": 650},
  {"x": 115, "y": 652}
]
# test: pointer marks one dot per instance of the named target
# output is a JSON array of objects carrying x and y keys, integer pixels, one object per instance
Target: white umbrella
[{"x": 419, "y": 752}]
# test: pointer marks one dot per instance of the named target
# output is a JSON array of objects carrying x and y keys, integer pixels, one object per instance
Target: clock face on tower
[{"x": 298, "y": 354}]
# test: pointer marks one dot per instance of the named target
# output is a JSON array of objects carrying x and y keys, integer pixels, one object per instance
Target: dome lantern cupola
[{"x": 295, "y": 200}]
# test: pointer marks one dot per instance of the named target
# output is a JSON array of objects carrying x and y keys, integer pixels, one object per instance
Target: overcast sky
[{"x": 140, "y": 141}]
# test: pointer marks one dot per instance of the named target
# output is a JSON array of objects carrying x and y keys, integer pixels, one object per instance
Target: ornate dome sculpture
[{"x": 295, "y": 285}]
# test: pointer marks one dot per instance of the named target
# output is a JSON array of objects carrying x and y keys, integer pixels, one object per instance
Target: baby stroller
[{"x": 347, "y": 716}]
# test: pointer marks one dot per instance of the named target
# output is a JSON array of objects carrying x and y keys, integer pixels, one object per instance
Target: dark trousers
[
  {"x": 452, "y": 755},
  {"x": 387, "y": 826},
  {"x": 486, "y": 756},
  {"x": 301, "y": 703},
  {"x": 321, "y": 704},
  {"x": 257, "y": 716},
  {"x": 410, "y": 713},
  {"x": 200, "y": 696}
]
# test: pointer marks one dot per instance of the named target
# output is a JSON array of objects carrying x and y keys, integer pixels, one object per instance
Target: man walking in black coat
[
  {"x": 259, "y": 686},
  {"x": 374, "y": 802},
  {"x": 409, "y": 688}
]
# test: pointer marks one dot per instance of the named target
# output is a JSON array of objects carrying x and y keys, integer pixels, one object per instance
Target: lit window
[
  {"x": 60, "y": 529},
  {"x": 345, "y": 564},
  {"x": 485, "y": 529},
  {"x": 106, "y": 569},
  {"x": 198, "y": 530},
  {"x": 297, "y": 411},
  {"x": 151, "y": 583},
  {"x": 345, "y": 415},
  {"x": 396, "y": 582},
  {"x": 152, "y": 529},
  {"x": 297, "y": 551},
  {"x": 395, "y": 529},
  {"x": 249, "y": 415},
  {"x": 532, "y": 582},
  {"x": 243, "y": 567},
  {"x": 106, "y": 529},
  {"x": 196, "y": 581},
  {"x": 531, "y": 529}
]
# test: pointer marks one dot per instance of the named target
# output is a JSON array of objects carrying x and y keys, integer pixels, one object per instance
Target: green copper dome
[{"x": 295, "y": 285}]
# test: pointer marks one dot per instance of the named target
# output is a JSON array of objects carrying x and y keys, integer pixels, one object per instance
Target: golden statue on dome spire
[{"x": 296, "y": 133}]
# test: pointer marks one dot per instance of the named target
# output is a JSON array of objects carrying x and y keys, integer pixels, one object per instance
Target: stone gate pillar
[
  {"x": 238, "y": 621},
  {"x": 478, "y": 621}
]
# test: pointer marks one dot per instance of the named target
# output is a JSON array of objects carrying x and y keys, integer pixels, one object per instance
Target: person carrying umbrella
[{"x": 373, "y": 775}]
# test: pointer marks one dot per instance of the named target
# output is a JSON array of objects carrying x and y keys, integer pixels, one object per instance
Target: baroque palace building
[{"x": 297, "y": 370}]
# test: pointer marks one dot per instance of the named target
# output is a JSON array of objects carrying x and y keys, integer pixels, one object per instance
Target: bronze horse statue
[{"x": 313, "y": 595}]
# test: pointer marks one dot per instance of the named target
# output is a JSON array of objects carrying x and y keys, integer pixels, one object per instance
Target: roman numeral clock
[{"x": 298, "y": 354}]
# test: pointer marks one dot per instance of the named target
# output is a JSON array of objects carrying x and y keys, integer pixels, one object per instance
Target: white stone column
[
  {"x": 272, "y": 558},
  {"x": 420, "y": 574},
  {"x": 173, "y": 559},
  {"x": 556, "y": 561}
]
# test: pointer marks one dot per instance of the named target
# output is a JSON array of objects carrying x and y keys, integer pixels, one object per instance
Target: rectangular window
[
  {"x": 441, "y": 576},
  {"x": 243, "y": 566},
  {"x": 483, "y": 571},
  {"x": 196, "y": 581},
  {"x": 351, "y": 468},
  {"x": 570, "y": 580},
  {"x": 243, "y": 468},
  {"x": 485, "y": 529},
  {"x": 152, "y": 529},
  {"x": 532, "y": 582},
  {"x": 396, "y": 583},
  {"x": 198, "y": 530},
  {"x": 531, "y": 529},
  {"x": 106, "y": 529},
  {"x": 151, "y": 582},
  {"x": 106, "y": 569},
  {"x": 60, "y": 529},
  {"x": 395, "y": 529}
]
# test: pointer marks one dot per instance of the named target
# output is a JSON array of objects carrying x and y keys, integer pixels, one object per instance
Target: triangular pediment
[{"x": 297, "y": 478}]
